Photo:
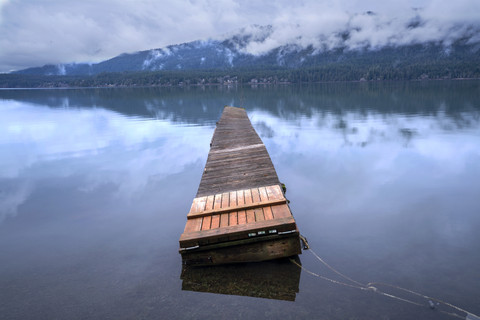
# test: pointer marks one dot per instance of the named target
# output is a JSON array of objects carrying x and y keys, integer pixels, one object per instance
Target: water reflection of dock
[
  {"x": 240, "y": 213},
  {"x": 277, "y": 279}
]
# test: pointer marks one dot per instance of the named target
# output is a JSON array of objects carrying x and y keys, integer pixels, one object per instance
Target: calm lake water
[{"x": 95, "y": 185}]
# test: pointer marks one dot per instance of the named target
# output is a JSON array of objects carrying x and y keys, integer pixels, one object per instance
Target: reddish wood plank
[
  {"x": 233, "y": 218},
  {"x": 224, "y": 217},
  {"x": 248, "y": 200},
  {"x": 233, "y": 198},
  {"x": 255, "y": 205},
  {"x": 218, "y": 201},
  {"x": 250, "y": 216},
  {"x": 242, "y": 217},
  {"x": 193, "y": 225},
  {"x": 263, "y": 193},
  {"x": 225, "y": 200},
  {"x": 267, "y": 212},
  {"x": 248, "y": 196},
  {"x": 215, "y": 221},
  {"x": 207, "y": 221},
  {"x": 255, "y": 195},
  {"x": 259, "y": 214},
  {"x": 198, "y": 204},
  {"x": 274, "y": 192},
  {"x": 281, "y": 211},
  {"x": 216, "y": 217},
  {"x": 210, "y": 200},
  {"x": 240, "y": 197}
]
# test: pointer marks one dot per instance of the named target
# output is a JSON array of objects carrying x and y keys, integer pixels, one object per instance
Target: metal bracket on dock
[
  {"x": 189, "y": 248},
  {"x": 287, "y": 232}
]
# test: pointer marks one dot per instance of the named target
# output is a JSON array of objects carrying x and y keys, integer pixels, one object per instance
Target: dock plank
[
  {"x": 242, "y": 215},
  {"x": 216, "y": 217},
  {"x": 207, "y": 222},
  {"x": 283, "y": 224},
  {"x": 252, "y": 205},
  {"x": 198, "y": 205}
]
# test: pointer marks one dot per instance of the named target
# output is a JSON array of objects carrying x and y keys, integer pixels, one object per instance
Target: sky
[{"x": 38, "y": 32}]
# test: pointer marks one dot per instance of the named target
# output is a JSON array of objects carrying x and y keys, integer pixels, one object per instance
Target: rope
[
  {"x": 327, "y": 265},
  {"x": 371, "y": 286}
]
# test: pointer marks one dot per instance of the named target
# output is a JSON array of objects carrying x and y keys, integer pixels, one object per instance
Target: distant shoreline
[{"x": 236, "y": 84}]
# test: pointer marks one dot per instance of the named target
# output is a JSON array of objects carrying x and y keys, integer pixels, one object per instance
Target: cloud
[
  {"x": 33, "y": 33},
  {"x": 329, "y": 25},
  {"x": 12, "y": 198}
]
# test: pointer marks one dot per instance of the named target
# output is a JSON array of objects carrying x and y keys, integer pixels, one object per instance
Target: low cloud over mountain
[
  {"x": 364, "y": 37},
  {"x": 58, "y": 32}
]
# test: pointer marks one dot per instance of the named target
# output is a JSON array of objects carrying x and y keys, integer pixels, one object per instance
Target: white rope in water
[{"x": 371, "y": 287}]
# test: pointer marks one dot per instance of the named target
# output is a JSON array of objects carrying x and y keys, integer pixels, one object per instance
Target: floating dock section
[{"x": 240, "y": 213}]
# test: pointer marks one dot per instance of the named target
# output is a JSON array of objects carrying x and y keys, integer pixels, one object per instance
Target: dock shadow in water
[{"x": 276, "y": 279}]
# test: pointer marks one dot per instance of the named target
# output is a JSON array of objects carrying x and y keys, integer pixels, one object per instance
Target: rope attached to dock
[{"x": 372, "y": 286}]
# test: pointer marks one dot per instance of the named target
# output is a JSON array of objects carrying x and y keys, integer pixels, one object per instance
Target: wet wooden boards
[{"x": 240, "y": 213}]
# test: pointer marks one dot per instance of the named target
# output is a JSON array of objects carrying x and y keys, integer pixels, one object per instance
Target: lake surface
[{"x": 95, "y": 185}]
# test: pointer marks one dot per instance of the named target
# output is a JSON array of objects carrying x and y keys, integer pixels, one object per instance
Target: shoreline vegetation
[{"x": 258, "y": 76}]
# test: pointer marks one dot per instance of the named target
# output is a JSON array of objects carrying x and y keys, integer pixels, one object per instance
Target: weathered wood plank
[
  {"x": 216, "y": 217},
  {"x": 198, "y": 204},
  {"x": 255, "y": 195},
  {"x": 281, "y": 211},
  {"x": 267, "y": 212},
  {"x": 274, "y": 192},
  {"x": 193, "y": 225},
  {"x": 249, "y": 201},
  {"x": 224, "y": 220},
  {"x": 242, "y": 217},
  {"x": 225, "y": 200},
  {"x": 210, "y": 201},
  {"x": 233, "y": 199},
  {"x": 259, "y": 214},
  {"x": 218, "y": 202},
  {"x": 237, "y": 207},
  {"x": 287, "y": 224},
  {"x": 207, "y": 222},
  {"x": 263, "y": 193},
  {"x": 233, "y": 218},
  {"x": 240, "y": 198}
]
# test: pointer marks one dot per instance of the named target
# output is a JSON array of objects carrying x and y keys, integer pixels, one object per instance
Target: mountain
[{"x": 235, "y": 52}]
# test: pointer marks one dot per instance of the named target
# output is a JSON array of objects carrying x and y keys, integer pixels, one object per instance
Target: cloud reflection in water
[{"x": 102, "y": 145}]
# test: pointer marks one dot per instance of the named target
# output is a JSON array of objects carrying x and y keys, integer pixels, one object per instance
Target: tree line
[{"x": 257, "y": 75}]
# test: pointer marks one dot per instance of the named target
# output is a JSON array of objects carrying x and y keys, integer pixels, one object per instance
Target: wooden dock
[{"x": 240, "y": 213}]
